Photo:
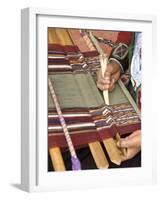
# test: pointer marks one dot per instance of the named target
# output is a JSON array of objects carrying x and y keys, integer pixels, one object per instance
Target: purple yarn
[{"x": 75, "y": 163}]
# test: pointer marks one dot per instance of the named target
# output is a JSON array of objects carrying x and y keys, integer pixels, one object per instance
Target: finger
[
  {"x": 104, "y": 81},
  {"x": 125, "y": 143},
  {"x": 111, "y": 87},
  {"x": 103, "y": 86},
  {"x": 107, "y": 74},
  {"x": 99, "y": 75},
  {"x": 115, "y": 77},
  {"x": 131, "y": 152},
  {"x": 130, "y": 142},
  {"x": 100, "y": 78},
  {"x": 135, "y": 133},
  {"x": 124, "y": 158}
]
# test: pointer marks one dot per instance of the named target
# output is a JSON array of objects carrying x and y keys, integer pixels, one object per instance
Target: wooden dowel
[
  {"x": 103, "y": 61},
  {"x": 63, "y": 36},
  {"x": 129, "y": 97},
  {"x": 98, "y": 155},
  {"x": 112, "y": 150},
  {"x": 52, "y": 37},
  {"x": 57, "y": 159}
]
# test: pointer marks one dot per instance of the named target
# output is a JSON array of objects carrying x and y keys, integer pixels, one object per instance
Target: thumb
[
  {"x": 130, "y": 142},
  {"x": 107, "y": 75}
]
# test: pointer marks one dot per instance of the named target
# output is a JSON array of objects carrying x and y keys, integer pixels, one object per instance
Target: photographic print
[
  {"x": 86, "y": 100},
  {"x": 94, "y": 99}
]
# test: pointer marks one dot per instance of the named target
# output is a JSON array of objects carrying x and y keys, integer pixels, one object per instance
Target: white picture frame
[{"x": 34, "y": 176}]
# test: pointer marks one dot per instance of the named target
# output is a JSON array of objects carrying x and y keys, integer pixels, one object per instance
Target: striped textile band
[
  {"x": 96, "y": 124},
  {"x": 70, "y": 115},
  {"x": 75, "y": 162}
]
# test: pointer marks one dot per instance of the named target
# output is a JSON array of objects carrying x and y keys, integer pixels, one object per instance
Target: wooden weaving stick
[
  {"x": 52, "y": 36},
  {"x": 98, "y": 155},
  {"x": 131, "y": 100},
  {"x": 103, "y": 61},
  {"x": 57, "y": 159},
  {"x": 63, "y": 36},
  {"x": 110, "y": 143}
]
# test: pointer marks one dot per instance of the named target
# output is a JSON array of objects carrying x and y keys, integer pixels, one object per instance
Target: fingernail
[{"x": 119, "y": 144}]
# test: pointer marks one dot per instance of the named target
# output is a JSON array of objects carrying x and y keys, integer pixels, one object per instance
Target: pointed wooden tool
[{"x": 98, "y": 155}]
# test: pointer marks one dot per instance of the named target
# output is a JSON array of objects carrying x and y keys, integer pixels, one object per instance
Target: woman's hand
[
  {"x": 111, "y": 76},
  {"x": 132, "y": 143}
]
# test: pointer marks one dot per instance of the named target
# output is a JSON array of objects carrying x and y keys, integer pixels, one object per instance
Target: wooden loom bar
[
  {"x": 127, "y": 94},
  {"x": 57, "y": 159},
  {"x": 98, "y": 155}
]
